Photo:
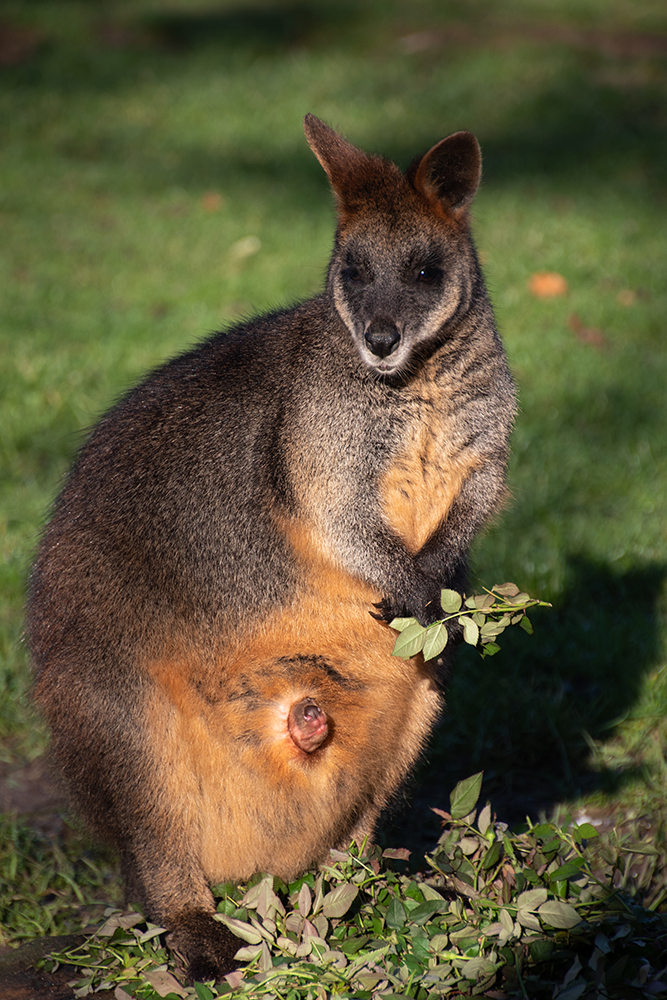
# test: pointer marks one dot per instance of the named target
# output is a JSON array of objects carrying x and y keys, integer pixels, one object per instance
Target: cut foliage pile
[{"x": 496, "y": 913}]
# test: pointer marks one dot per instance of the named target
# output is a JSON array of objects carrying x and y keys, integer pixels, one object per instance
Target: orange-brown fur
[
  {"x": 197, "y": 730},
  {"x": 423, "y": 483}
]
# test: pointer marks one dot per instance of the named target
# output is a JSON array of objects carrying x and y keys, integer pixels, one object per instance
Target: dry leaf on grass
[
  {"x": 547, "y": 284},
  {"x": 211, "y": 201},
  {"x": 587, "y": 334},
  {"x": 18, "y": 43}
]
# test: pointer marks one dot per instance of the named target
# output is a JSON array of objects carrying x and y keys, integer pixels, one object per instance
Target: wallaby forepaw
[
  {"x": 424, "y": 610},
  {"x": 386, "y": 611}
]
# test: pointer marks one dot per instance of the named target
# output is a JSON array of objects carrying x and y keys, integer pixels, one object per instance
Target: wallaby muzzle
[{"x": 382, "y": 337}]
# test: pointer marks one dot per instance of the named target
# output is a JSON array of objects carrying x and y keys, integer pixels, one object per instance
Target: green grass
[
  {"x": 124, "y": 122},
  {"x": 48, "y": 887}
]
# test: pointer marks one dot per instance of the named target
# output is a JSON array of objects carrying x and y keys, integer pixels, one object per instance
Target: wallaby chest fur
[{"x": 203, "y": 611}]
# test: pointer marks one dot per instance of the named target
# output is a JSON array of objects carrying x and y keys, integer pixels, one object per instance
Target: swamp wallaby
[{"x": 208, "y": 609}]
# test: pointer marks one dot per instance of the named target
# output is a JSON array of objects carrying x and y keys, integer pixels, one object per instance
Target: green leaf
[
  {"x": 556, "y": 913},
  {"x": 148, "y": 935},
  {"x": 395, "y": 914},
  {"x": 428, "y": 892},
  {"x": 463, "y": 798},
  {"x": 305, "y": 900},
  {"x": 470, "y": 631},
  {"x": 528, "y": 919},
  {"x": 351, "y": 945},
  {"x": 203, "y": 992},
  {"x": 480, "y": 601},
  {"x": 485, "y": 601},
  {"x": 531, "y": 899},
  {"x": 163, "y": 982},
  {"x": 526, "y": 625},
  {"x": 490, "y": 649},
  {"x": 240, "y": 928},
  {"x": 586, "y": 832},
  {"x": 506, "y": 921},
  {"x": 435, "y": 641},
  {"x": 410, "y": 641},
  {"x": 451, "y": 601},
  {"x": 490, "y": 630},
  {"x": 639, "y": 848},
  {"x": 337, "y": 902},
  {"x": 399, "y": 624},
  {"x": 439, "y": 942},
  {"x": 397, "y": 853},
  {"x": 475, "y": 968},
  {"x": 506, "y": 589},
  {"x": 426, "y": 910},
  {"x": 122, "y": 920},
  {"x": 484, "y": 818},
  {"x": 249, "y": 953},
  {"x": 541, "y": 950},
  {"x": 420, "y": 946},
  {"x": 262, "y": 898},
  {"x": 571, "y": 869},
  {"x": 492, "y": 856}
]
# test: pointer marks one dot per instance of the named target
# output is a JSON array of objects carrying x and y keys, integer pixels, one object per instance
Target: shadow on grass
[
  {"x": 114, "y": 47},
  {"x": 257, "y": 28},
  {"x": 574, "y": 132},
  {"x": 526, "y": 716},
  {"x": 593, "y": 121},
  {"x": 609, "y": 138}
]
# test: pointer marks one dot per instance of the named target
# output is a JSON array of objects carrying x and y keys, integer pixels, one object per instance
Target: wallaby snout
[{"x": 382, "y": 337}]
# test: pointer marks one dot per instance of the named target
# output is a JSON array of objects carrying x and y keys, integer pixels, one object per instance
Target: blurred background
[{"x": 155, "y": 185}]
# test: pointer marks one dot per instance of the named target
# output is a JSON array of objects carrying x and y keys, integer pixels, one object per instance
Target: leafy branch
[{"x": 482, "y": 617}]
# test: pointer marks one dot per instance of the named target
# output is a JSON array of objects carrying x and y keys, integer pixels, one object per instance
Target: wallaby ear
[
  {"x": 451, "y": 171},
  {"x": 339, "y": 158}
]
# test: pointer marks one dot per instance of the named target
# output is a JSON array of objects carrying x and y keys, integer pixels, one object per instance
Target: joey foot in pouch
[{"x": 307, "y": 725}]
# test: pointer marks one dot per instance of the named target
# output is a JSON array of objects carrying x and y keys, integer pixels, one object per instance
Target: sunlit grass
[{"x": 151, "y": 193}]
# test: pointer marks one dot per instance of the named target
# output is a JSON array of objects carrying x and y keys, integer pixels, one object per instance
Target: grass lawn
[{"x": 155, "y": 185}]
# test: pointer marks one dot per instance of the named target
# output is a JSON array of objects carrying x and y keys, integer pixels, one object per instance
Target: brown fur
[{"x": 203, "y": 609}]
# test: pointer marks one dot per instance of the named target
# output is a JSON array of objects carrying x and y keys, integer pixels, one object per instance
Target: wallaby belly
[{"x": 262, "y": 803}]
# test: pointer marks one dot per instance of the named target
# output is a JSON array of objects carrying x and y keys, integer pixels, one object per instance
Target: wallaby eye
[
  {"x": 353, "y": 275},
  {"x": 429, "y": 275}
]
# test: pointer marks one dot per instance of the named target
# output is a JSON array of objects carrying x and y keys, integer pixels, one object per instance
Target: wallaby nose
[{"x": 382, "y": 337}]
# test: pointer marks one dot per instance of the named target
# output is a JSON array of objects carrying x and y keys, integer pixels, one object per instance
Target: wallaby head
[{"x": 403, "y": 266}]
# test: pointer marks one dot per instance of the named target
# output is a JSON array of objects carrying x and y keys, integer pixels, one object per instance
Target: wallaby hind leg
[
  {"x": 173, "y": 892},
  {"x": 204, "y": 947},
  {"x": 121, "y": 786}
]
